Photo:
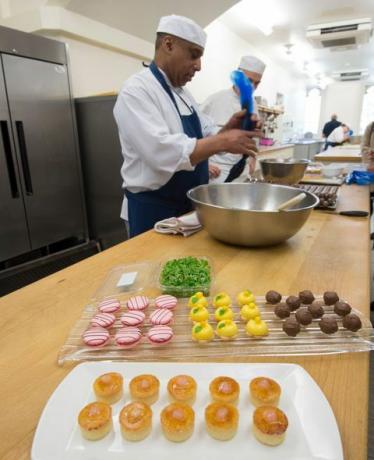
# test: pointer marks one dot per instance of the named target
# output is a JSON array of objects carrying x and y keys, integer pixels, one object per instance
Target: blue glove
[
  {"x": 245, "y": 87},
  {"x": 350, "y": 132},
  {"x": 360, "y": 178}
]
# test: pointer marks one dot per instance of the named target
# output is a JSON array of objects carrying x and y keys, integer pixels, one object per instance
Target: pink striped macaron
[
  {"x": 138, "y": 302},
  {"x": 95, "y": 337},
  {"x": 109, "y": 306},
  {"x": 166, "y": 301},
  {"x": 161, "y": 316},
  {"x": 133, "y": 318},
  {"x": 160, "y": 335},
  {"x": 127, "y": 337},
  {"x": 103, "y": 319}
]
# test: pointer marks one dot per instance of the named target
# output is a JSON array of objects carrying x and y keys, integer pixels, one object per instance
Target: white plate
[{"x": 312, "y": 433}]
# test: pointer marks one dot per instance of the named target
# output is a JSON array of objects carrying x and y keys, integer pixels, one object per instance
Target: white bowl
[{"x": 332, "y": 171}]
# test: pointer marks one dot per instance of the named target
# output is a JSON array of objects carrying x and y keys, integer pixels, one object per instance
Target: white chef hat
[
  {"x": 252, "y": 64},
  {"x": 182, "y": 27}
]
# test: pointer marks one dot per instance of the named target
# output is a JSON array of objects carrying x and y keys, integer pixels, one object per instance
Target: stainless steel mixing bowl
[
  {"x": 283, "y": 171},
  {"x": 245, "y": 214}
]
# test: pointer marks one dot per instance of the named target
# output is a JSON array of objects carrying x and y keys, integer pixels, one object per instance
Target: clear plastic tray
[
  {"x": 186, "y": 291},
  {"x": 310, "y": 341},
  {"x": 145, "y": 277}
]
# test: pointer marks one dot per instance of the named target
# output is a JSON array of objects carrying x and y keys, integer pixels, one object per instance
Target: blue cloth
[
  {"x": 147, "y": 208},
  {"x": 360, "y": 178}
]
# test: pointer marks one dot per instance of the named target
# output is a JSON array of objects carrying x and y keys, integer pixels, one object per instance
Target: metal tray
[{"x": 310, "y": 341}]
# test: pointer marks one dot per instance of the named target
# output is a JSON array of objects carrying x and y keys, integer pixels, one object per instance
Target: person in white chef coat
[
  {"x": 338, "y": 136},
  {"x": 165, "y": 140},
  {"x": 220, "y": 106}
]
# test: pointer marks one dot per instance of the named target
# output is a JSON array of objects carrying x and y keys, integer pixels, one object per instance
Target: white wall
[
  {"x": 222, "y": 55},
  {"x": 345, "y": 99}
]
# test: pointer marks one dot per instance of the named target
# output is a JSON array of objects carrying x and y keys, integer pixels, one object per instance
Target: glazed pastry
[
  {"x": 221, "y": 300},
  {"x": 166, "y": 301},
  {"x": 138, "y": 302},
  {"x": 264, "y": 391},
  {"x": 293, "y": 302},
  {"x": 306, "y": 297},
  {"x": 95, "y": 420},
  {"x": 328, "y": 324},
  {"x": 316, "y": 309},
  {"x": 177, "y": 421},
  {"x": 133, "y": 318},
  {"x": 227, "y": 329},
  {"x": 269, "y": 425},
  {"x": 249, "y": 311},
  {"x": 160, "y": 335},
  {"x": 109, "y": 306},
  {"x": 257, "y": 327},
  {"x": 224, "y": 389},
  {"x": 135, "y": 420},
  {"x": 245, "y": 297},
  {"x": 282, "y": 310},
  {"x": 103, "y": 320},
  {"x": 304, "y": 316},
  {"x": 95, "y": 337},
  {"x": 352, "y": 322},
  {"x": 273, "y": 297},
  {"x": 221, "y": 420},
  {"x": 182, "y": 388},
  {"x": 127, "y": 337},
  {"x": 342, "y": 308},
  {"x": 109, "y": 387},
  {"x": 197, "y": 300},
  {"x": 291, "y": 326},
  {"x": 223, "y": 313},
  {"x": 199, "y": 314},
  {"x": 145, "y": 388},
  {"x": 202, "y": 332},
  {"x": 161, "y": 316}
]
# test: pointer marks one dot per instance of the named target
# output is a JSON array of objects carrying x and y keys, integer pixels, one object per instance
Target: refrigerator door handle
[
  {"x": 9, "y": 159},
  {"x": 24, "y": 157}
]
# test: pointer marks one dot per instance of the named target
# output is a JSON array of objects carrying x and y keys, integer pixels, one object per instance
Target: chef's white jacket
[
  {"x": 337, "y": 136},
  {"x": 153, "y": 143},
  {"x": 221, "y": 106}
]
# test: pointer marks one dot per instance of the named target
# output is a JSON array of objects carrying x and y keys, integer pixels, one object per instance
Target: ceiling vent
[
  {"x": 351, "y": 75},
  {"x": 340, "y": 35}
]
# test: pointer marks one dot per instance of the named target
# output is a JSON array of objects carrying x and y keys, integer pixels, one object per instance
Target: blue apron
[{"x": 147, "y": 208}]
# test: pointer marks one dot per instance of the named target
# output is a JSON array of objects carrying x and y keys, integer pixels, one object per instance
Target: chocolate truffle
[
  {"x": 342, "y": 308},
  {"x": 306, "y": 297},
  {"x": 316, "y": 309},
  {"x": 293, "y": 302},
  {"x": 328, "y": 324},
  {"x": 282, "y": 310},
  {"x": 304, "y": 316},
  {"x": 291, "y": 327},
  {"x": 330, "y": 297},
  {"x": 273, "y": 297},
  {"x": 352, "y": 322}
]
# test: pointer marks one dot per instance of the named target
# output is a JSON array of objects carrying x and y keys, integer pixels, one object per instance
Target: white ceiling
[{"x": 288, "y": 18}]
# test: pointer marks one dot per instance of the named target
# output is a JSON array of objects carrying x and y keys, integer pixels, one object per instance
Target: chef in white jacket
[
  {"x": 165, "y": 140},
  {"x": 220, "y": 106}
]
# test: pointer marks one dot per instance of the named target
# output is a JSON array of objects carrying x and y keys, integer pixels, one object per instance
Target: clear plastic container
[{"x": 186, "y": 289}]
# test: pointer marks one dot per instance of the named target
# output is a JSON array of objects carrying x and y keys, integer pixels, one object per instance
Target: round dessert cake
[
  {"x": 109, "y": 387},
  {"x": 95, "y": 420},
  {"x": 135, "y": 420},
  {"x": 182, "y": 388},
  {"x": 264, "y": 391},
  {"x": 177, "y": 421},
  {"x": 145, "y": 388},
  {"x": 221, "y": 420},
  {"x": 224, "y": 389}
]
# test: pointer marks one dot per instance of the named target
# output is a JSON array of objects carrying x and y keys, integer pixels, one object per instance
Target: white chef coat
[
  {"x": 153, "y": 143},
  {"x": 221, "y": 106},
  {"x": 337, "y": 136}
]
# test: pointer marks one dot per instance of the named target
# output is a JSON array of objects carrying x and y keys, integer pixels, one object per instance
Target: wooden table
[
  {"x": 343, "y": 154},
  {"x": 330, "y": 252}
]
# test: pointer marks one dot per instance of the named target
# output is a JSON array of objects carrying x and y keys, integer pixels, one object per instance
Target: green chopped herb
[
  {"x": 198, "y": 329},
  {"x": 221, "y": 325},
  {"x": 195, "y": 310},
  {"x": 219, "y": 297},
  {"x": 194, "y": 299},
  {"x": 221, "y": 311}
]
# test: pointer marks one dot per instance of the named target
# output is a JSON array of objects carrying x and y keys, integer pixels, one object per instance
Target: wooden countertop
[
  {"x": 273, "y": 148},
  {"x": 348, "y": 154},
  {"x": 330, "y": 252}
]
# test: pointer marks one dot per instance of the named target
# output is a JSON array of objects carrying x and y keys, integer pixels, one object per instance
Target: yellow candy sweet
[
  {"x": 199, "y": 314},
  {"x": 245, "y": 297},
  {"x": 223, "y": 313},
  {"x": 221, "y": 300},
  {"x": 197, "y": 300},
  {"x": 226, "y": 329},
  {"x": 249, "y": 311},
  {"x": 202, "y": 332},
  {"x": 257, "y": 327}
]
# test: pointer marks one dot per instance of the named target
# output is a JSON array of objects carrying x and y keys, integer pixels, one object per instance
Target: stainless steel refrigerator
[{"x": 41, "y": 195}]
